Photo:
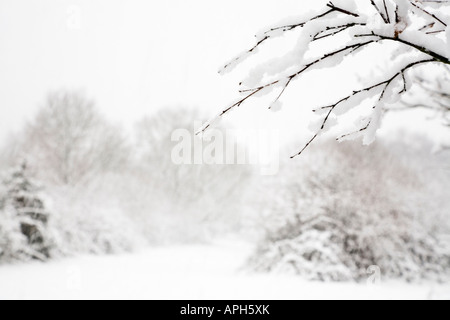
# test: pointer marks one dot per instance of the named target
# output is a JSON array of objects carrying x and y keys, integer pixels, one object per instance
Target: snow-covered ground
[{"x": 183, "y": 272}]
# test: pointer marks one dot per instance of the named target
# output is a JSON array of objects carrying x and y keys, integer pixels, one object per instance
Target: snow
[
  {"x": 447, "y": 35},
  {"x": 375, "y": 124},
  {"x": 184, "y": 272},
  {"x": 349, "y": 5},
  {"x": 355, "y": 100},
  {"x": 316, "y": 125},
  {"x": 276, "y": 106},
  {"x": 432, "y": 43},
  {"x": 99, "y": 224},
  {"x": 280, "y": 65}
]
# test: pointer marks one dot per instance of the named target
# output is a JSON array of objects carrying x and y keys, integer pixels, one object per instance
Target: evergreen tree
[
  {"x": 28, "y": 211},
  {"x": 13, "y": 244}
]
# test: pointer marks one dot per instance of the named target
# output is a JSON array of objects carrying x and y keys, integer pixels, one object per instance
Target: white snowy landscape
[
  {"x": 194, "y": 272},
  {"x": 141, "y": 158}
]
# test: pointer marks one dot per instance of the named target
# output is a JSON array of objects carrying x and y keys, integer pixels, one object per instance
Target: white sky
[
  {"x": 131, "y": 56},
  {"x": 134, "y": 56}
]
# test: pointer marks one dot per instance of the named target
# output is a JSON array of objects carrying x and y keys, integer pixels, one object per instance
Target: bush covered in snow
[
  {"x": 83, "y": 220},
  {"x": 88, "y": 220},
  {"x": 341, "y": 211}
]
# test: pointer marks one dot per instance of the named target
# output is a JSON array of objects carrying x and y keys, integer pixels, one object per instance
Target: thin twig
[
  {"x": 420, "y": 48},
  {"x": 386, "y": 84},
  {"x": 387, "y": 13},
  {"x": 428, "y": 13},
  {"x": 336, "y": 30},
  {"x": 306, "y": 146},
  {"x": 379, "y": 11},
  {"x": 288, "y": 79},
  {"x": 332, "y": 8},
  {"x": 353, "y": 133}
]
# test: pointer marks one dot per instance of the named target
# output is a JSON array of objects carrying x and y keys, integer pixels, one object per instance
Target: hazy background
[{"x": 134, "y": 56}]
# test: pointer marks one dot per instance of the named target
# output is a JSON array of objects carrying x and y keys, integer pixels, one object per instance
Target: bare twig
[
  {"x": 332, "y": 9},
  {"x": 356, "y": 132},
  {"x": 248, "y": 51},
  {"x": 397, "y": 16},
  {"x": 420, "y": 48},
  {"x": 428, "y": 13},
  {"x": 335, "y": 30},
  {"x": 288, "y": 79},
  {"x": 388, "y": 15},
  {"x": 405, "y": 87},
  {"x": 306, "y": 146},
  {"x": 283, "y": 90},
  {"x": 435, "y": 32},
  {"x": 379, "y": 11},
  {"x": 385, "y": 83},
  {"x": 387, "y": 12},
  {"x": 349, "y": 13},
  {"x": 428, "y": 26}
]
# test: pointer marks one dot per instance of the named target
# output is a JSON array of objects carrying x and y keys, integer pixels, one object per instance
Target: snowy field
[{"x": 183, "y": 272}]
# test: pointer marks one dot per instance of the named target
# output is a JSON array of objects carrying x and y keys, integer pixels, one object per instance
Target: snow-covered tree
[
  {"x": 330, "y": 218},
  {"x": 69, "y": 142},
  {"x": 13, "y": 244},
  {"x": 414, "y": 34},
  {"x": 186, "y": 200},
  {"x": 24, "y": 211}
]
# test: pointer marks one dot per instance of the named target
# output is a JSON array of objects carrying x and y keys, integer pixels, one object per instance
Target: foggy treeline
[
  {"x": 72, "y": 182},
  {"x": 108, "y": 191}
]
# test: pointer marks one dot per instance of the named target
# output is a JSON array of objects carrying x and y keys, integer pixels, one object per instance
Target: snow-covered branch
[
  {"x": 419, "y": 27},
  {"x": 434, "y": 96},
  {"x": 369, "y": 90}
]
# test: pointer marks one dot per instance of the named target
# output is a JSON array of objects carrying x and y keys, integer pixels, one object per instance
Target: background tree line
[{"x": 75, "y": 183}]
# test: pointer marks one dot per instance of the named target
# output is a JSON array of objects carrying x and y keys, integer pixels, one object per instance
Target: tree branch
[
  {"x": 428, "y": 13},
  {"x": 338, "y": 29},
  {"x": 387, "y": 12},
  {"x": 356, "y": 132},
  {"x": 306, "y": 146},
  {"x": 332, "y": 6},
  {"x": 379, "y": 11},
  {"x": 288, "y": 79},
  {"x": 389, "y": 17},
  {"x": 420, "y": 48},
  {"x": 267, "y": 34},
  {"x": 386, "y": 84}
]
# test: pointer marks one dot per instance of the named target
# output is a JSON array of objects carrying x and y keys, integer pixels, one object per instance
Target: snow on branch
[
  {"x": 398, "y": 21},
  {"x": 384, "y": 85},
  {"x": 277, "y": 31},
  {"x": 434, "y": 96}
]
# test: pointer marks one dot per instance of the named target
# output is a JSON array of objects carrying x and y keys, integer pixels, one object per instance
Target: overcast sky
[{"x": 132, "y": 56}]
